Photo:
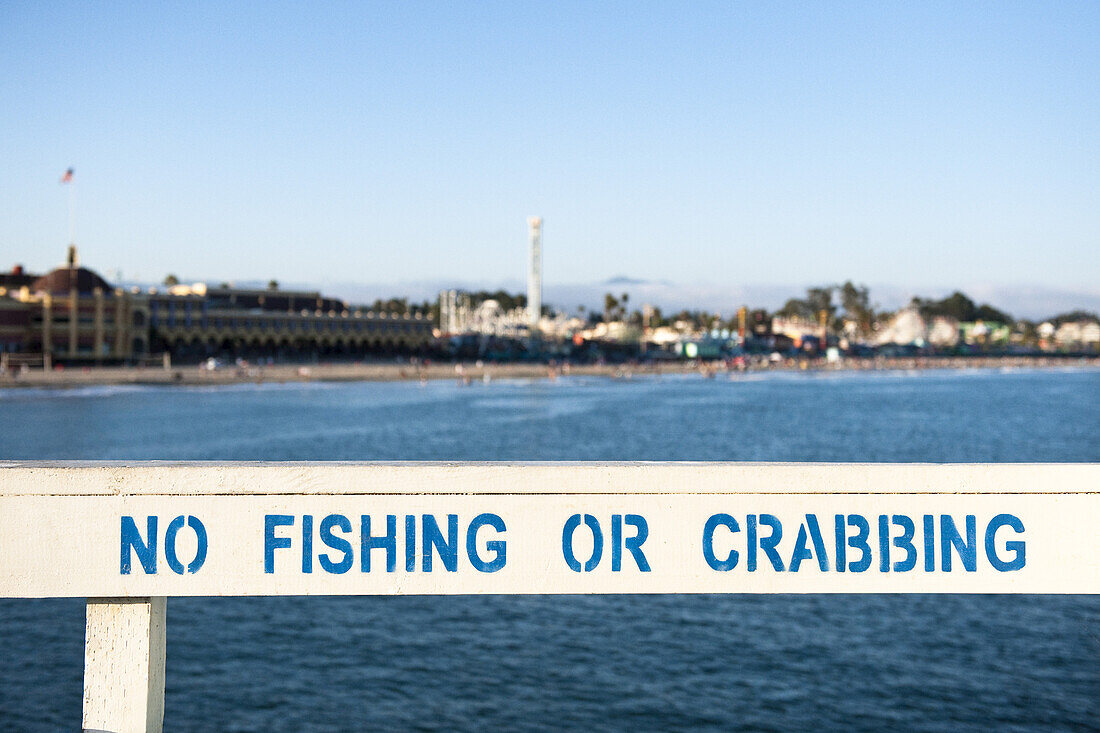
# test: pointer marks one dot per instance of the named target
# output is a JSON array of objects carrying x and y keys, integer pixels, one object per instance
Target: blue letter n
[{"x": 146, "y": 551}]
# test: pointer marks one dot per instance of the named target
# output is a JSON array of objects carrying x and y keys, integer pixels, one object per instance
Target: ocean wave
[
  {"x": 115, "y": 390},
  {"x": 90, "y": 391}
]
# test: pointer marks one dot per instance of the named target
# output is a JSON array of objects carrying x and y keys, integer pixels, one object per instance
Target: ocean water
[{"x": 864, "y": 662}]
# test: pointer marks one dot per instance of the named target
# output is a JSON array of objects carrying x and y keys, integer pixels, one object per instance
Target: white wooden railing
[{"x": 128, "y": 535}]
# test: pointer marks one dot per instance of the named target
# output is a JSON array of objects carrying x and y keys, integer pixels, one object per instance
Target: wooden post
[{"x": 124, "y": 664}]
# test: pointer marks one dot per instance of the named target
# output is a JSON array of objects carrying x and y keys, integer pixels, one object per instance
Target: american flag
[{"x": 68, "y": 176}]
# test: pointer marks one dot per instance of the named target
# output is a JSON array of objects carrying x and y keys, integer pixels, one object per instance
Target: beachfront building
[
  {"x": 799, "y": 329},
  {"x": 72, "y": 314},
  {"x": 1080, "y": 333},
  {"x": 984, "y": 333},
  {"x": 908, "y": 327},
  {"x": 197, "y": 322}
]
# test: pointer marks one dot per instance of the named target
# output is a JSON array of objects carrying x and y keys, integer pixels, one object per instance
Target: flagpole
[{"x": 72, "y": 213}]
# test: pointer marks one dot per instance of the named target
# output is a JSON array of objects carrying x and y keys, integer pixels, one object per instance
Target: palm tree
[{"x": 610, "y": 305}]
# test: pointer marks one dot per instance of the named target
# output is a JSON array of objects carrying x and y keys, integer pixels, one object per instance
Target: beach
[{"x": 405, "y": 370}]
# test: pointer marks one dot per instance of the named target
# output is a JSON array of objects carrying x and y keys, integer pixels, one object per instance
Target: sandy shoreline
[{"x": 390, "y": 372}]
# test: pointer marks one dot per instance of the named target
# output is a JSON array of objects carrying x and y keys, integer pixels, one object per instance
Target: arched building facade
[{"x": 193, "y": 325}]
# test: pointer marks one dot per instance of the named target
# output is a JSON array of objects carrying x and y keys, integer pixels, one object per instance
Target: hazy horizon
[
  {"x": 1028, "y": 302},
  {"x": 1020, "y": 300}
]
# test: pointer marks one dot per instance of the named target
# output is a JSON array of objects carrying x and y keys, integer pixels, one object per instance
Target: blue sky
[{"x": 921, "y": 145}]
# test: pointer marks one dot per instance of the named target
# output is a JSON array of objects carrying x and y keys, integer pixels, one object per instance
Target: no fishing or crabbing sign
[{"x": 200, "y": 529}]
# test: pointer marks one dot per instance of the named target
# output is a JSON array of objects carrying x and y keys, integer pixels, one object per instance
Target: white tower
[{"x": 534, "y": 273}]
